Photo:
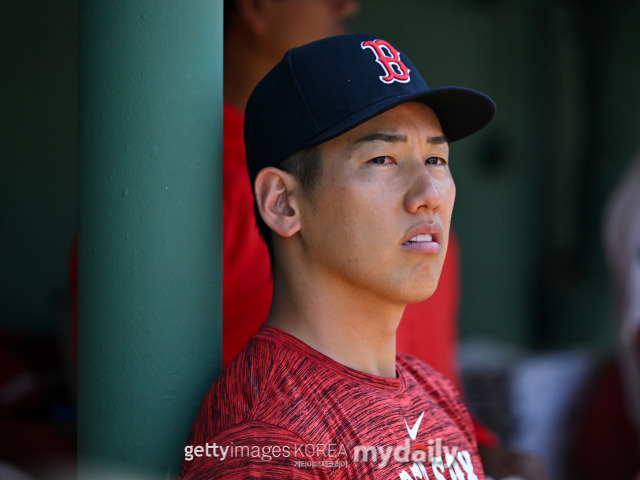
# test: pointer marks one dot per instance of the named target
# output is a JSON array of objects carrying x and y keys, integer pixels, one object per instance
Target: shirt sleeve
[{"x": 255, "y": 450}]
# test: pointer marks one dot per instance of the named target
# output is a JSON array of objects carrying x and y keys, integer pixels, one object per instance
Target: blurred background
[{"x": 536, "y": 318}]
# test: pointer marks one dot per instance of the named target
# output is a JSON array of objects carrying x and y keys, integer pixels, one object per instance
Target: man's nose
[{"x": 423, "y": 191}]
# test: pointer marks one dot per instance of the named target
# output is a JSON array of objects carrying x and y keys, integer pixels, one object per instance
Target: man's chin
[{"x": 420, "y": 296}]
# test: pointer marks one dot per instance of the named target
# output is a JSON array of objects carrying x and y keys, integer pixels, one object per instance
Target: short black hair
[{"x": 306, "y": 166}]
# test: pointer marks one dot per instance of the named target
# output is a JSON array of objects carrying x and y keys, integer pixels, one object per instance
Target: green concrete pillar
[{"x": 150, "y": 220}]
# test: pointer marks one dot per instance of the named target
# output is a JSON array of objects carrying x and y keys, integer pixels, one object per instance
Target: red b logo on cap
[{"x": 389, "y": 58}]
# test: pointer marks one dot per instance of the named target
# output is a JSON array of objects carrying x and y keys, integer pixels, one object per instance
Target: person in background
[
  {"x": 608, "y": 427},
  {"x": 622, "y": 246}
]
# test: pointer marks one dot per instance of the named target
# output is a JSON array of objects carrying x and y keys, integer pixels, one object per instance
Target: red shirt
[{"x": 283, "y": 410}]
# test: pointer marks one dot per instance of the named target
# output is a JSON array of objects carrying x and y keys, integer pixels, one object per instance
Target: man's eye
[
  {"x": 381, "y": 160},
  {"x": 435, "y": 161}
]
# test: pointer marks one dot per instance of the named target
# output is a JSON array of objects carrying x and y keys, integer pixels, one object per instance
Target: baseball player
[{"x": 348, "y": 157}]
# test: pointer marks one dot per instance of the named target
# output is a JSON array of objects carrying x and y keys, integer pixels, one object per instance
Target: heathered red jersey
[{"x": 282, "y": 410}]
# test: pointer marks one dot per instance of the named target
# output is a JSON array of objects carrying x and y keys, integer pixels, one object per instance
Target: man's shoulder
[
  {"x": 258, "y": 398},
  {"x": 252, "y": 370},
  {"x": 422, "y": 379},
  {"x": 423, "y": 375},
  {"x": 254, "y": 380},
  {"x": 417, "y": 366}
]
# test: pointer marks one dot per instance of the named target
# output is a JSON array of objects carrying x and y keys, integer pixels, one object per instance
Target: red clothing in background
[{"x": 246, "y": 277}]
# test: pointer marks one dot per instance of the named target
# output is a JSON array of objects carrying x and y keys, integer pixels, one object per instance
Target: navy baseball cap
[{"x": 325, "y": 88}]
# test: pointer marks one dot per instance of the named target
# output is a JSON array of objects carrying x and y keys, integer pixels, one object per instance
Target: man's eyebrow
[
  {"x": 440, "y": 140},
  {"x": 382, "y": 137},
  {"x": 395, "y": 138}
]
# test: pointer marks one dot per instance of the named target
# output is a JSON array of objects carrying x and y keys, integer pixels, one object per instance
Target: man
[
  {"x": 347, "y": 152},
  {"x": 257, "y": 33}
]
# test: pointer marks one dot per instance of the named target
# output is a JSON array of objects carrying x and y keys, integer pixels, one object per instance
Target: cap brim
[{"x": 461, "y": 112}]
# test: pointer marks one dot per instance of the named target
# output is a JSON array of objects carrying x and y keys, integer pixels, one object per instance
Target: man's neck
[{"x": 355, "y": 330}]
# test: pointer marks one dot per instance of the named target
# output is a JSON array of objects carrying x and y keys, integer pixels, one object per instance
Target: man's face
[
  {"x": 297, "y": 22},
  {"x": 378, "y": 219}
]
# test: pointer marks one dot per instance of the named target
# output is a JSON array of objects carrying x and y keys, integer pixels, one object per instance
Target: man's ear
[{"x": 276, "y": 204}]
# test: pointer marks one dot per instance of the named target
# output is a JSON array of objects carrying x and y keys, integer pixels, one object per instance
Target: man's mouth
[{"x": 421, "y": 238}]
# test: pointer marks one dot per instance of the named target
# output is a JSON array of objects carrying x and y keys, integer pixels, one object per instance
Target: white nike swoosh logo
[{"x": 413, "y": 432}]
